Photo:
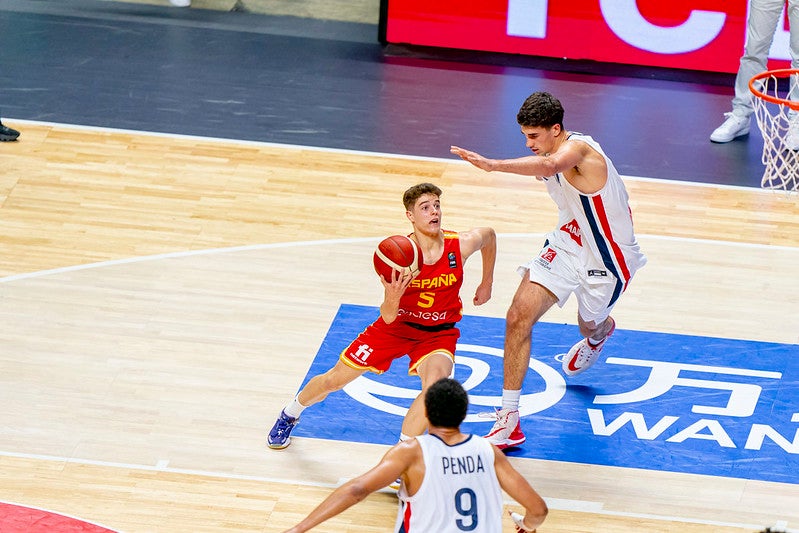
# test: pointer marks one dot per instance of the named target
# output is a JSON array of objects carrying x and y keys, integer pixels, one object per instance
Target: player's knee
[
  {"x": 333, "y": 381},
  {"x": 517, "y": 320},
  {"x": 437, "y": 373},
  {"x": 437, "y": 366}
]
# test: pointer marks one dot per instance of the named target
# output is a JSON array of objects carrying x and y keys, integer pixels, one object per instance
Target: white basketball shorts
[{"x": 563, "y": 273}]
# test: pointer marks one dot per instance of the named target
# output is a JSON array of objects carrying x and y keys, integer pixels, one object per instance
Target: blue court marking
[{"x": 654, "y": 401}]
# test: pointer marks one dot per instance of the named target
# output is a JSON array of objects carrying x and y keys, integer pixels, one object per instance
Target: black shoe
[{"x": 8, "y": 134}]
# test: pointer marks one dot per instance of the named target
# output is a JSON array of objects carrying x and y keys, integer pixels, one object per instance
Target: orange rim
[{"x": 777, "y": 73}]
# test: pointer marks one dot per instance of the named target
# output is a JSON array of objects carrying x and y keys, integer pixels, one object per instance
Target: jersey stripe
[
  {"x": 406, "y": 519},
  {"x": 594, "y": 211}
]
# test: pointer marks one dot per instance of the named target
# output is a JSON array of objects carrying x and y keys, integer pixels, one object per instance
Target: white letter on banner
[
  {"x": 761, "y": 431},
  {"x": 627, "y": 23},
  {"x": 527, "y": 18},
  {"x": 717, "y": 433},
  {"x": 637, "y": 421},
  {"x": 663, "y": 376}
]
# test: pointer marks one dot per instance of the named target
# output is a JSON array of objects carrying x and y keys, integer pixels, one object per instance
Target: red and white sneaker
[
  {"x": 584, "y": 354},
  {"x": 507, "y": 430}
]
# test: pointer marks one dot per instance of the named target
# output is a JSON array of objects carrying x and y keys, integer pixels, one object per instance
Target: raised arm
[
  {"x": 569, "y": 156},
  {"x": 581, "y": 165},
  {"x": 520, "y": 490}
]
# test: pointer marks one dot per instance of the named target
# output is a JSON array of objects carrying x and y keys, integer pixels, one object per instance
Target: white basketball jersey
[
  {"x": 597, "y": 227},
  {"x": 460, "y": 491}
]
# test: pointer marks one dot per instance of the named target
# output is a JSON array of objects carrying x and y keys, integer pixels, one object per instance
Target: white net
[{"x": 779, "y": 125}]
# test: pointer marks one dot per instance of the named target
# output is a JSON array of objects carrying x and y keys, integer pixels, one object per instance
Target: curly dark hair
[
  {"x": 540, "y": 110},
  {"x": 415, "y": 192},
  {"x": 446, "y": 402}
]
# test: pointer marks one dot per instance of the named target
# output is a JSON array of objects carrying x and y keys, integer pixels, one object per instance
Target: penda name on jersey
[
  {"x": 462, "y": 465},
  {"x": 443, "y": 280}
]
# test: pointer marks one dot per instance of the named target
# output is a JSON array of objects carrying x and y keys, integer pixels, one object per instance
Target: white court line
[
  {"x": 579, "y": 506},
  {"x": 452, "y": 159},
  {"x": 327, "y": 242},
  {"x": 59, "y": 513}
]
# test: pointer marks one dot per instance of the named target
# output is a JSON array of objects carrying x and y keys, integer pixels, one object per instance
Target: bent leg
[
  {"x": 314, "y": 391},
  {"x": 321, "y": 385},
  {"x": 529, "y": 304}
]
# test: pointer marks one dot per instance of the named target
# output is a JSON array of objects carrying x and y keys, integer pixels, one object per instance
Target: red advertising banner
[{"x": 703, "y": 35}]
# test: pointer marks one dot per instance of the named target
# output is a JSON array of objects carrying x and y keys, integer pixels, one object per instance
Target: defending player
[
  {"x": 450, "y": 480},
  {"x": 418, "y": 316},
  {"x": 593, "y": 252}
]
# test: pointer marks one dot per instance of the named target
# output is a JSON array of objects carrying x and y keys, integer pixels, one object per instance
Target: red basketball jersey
[{"x": 433, "y": 297}]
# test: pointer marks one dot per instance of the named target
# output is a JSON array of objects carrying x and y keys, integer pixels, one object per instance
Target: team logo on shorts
[
  {"x": 549, "y": 255},
  {"x": 362, "y": 353},
  {"x": 545, "y": 259}
]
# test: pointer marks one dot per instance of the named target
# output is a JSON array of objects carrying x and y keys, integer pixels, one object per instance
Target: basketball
[{"x": 398, "y": 252}]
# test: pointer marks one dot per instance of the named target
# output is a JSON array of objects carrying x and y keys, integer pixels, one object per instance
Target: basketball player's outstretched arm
[
  {"x": 588, "y": 169},
  {"x": 393, "y": 464},
  {"x": 568, "y": 156},
  {"x": 520, "y": 490}
]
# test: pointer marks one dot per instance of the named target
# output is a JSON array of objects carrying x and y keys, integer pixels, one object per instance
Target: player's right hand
[{"x": 398, "y": 283}]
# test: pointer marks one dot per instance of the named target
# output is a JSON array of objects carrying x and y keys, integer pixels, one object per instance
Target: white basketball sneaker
[
  {"x": 732, "y": 127},
  {"x": 584, "y": 354},
  {"x": 180, "y": 3},
  {"x": 507, "y": 430}
]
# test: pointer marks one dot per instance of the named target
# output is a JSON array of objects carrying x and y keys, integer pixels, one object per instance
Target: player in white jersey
[
  {"x": 451, "y": 482},
  {"x": 460, "y": 477},
  {"x": 593, "y": 252}
]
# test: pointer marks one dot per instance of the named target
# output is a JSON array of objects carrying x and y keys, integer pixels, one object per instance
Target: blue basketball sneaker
[{"x": 280, "y": 436}]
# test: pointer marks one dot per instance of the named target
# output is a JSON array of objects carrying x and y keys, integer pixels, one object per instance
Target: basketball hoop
[{"x": 778, "y": 119}]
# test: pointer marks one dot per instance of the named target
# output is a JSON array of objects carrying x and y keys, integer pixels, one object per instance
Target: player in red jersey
[{"x": 418, "y": 316}]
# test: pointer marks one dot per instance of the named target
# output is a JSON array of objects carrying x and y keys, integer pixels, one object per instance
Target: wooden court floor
[{"x": 162, "y": 297}]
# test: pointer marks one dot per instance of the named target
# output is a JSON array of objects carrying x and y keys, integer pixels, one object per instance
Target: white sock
[
  {"x": 295, "y": 408},
  {"x": 404, "y": 437},
  {"x": 510, "y": 399}
]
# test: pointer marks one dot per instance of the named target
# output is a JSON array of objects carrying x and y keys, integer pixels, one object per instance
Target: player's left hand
[
  {"x": 482, "y": 294},
  {"x": 518, "y": 521}
]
